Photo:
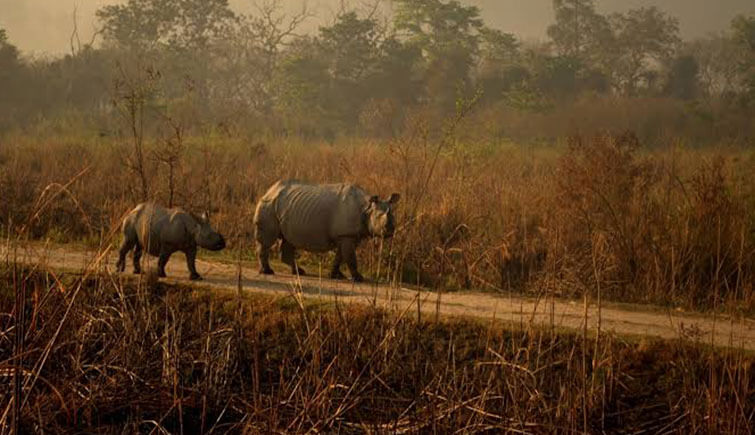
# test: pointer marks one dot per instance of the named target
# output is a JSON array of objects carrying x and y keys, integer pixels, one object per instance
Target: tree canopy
[{"x": 364, "y": 69}]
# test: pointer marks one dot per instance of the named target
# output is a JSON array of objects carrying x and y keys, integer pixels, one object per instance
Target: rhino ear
[
  {"x": 374, "y": 198},
  {"x": 394, "y": 198}
]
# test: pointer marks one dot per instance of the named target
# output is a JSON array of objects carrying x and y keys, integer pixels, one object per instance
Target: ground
[{"x": 626, "y": 322}]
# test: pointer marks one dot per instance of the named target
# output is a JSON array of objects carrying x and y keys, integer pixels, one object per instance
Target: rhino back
[
  {"x": 158, "y": 227},
  {"x": 313, "y": 217}
]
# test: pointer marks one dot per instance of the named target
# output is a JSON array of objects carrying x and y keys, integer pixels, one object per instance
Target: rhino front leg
[
  {"x": 335, "y": 272},
  {"x": 348, "y": 248},
  {"x": 288, "y": 256},
  {"x": 161, "y": 262},
  {"x": 191, "y": 258},
  {"x": 137, "y": 258}
]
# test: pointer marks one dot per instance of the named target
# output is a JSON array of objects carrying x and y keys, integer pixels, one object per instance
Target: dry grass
[
  {"x": 598, "y": 218},
  {"x": 673, "y": 226},
  {"x": 92, "y": 353}
]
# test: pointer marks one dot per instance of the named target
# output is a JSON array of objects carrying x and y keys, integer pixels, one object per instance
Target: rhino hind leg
[
  {"x": 263, "y": 256},
  {"x": 349, "y": 254},
  {"x": 288, "y": 256},
  {"x": 137, "y": 258},
  {"x": 266, "y": 234},
  {"x": 127, "y": 245},
  {"x": 161, "y": 262},
  {"x": 130, "y": 240},
  {"x": 335, "y": 272}
]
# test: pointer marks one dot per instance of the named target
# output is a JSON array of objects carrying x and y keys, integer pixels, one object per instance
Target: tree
[
  {"x": 8, "y": 58},
  {"x": 718, "y": 59},
  {"x": 582, "y": 39},
  {"x": 579, "y": 31},
  {"x": 499, "y": 67},
  {"x": 200, "y": 23},
  {"x": 744, "y": 35},
  {"x": 9, "y": 72},
  {"x": 398, "y": 77},
  {"x": 178, "y": 38},
  {"x": 301, "y": 85},
  {"x": 257, "y": 49},
  {"x": 744, "y": 31},
  {"x": 351, "y": 47},
  {"x": 556, "y": 76},
  {"x": 447, "y": 34},
  {"x": 139, "y": 24},
  {"x": 642, "y": 35},
  {"x": 683, "y": 80},
  {"x": 180, "y": 24}
]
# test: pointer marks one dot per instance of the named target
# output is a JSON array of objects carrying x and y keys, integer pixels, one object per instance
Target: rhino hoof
[
  {"x": 337, "y": 275},
  {"x": 299, "y": 272},
  {"x": 267, "y": 272},
  {"x": 195, "y": 277},
  {"x": 357, "y": 278},
  {"x": 161, "y": 274}
]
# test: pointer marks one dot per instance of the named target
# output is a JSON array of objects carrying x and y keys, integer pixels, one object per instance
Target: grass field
[{"x": 601, "y": 218}]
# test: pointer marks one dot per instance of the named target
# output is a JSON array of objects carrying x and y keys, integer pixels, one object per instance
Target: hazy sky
[{"x": 44, "y": 26}]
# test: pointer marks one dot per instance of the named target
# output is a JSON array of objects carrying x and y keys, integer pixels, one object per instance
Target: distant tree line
[{"x": 364, "y": 72}]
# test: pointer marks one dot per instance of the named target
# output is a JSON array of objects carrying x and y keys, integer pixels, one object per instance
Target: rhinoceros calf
[
  {"x": 319, "y": 218},
  {"x": 161, "y": 232}
]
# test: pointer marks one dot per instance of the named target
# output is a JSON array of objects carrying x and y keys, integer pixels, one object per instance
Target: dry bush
[
  {"x": 633, "y": 227},
  {"x": 104, "y": 355}
]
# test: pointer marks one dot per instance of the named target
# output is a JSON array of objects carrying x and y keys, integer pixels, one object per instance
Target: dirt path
[{"x": 644, "y": 321}]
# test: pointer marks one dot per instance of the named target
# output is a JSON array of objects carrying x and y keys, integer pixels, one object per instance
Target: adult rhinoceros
[
  {"x": 163, "y": 231},
  {"x": 319, "y": 218}
]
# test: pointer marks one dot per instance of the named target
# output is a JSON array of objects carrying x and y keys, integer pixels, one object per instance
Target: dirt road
[{"x": 617, "y": 319}]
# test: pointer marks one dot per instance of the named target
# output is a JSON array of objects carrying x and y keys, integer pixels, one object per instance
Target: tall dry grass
[
  {"x": 98, "y": 353},
  {"x": 672, "y": 226},
  {"x": 94, "y": 352}
]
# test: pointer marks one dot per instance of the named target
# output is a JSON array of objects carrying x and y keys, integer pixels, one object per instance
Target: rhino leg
[
  {"x": 130, "y": 240},
  {"x": 335, "y": 272},
  {"x": 161, "y": 262},
  {"x": 191, "y": 257},
  {"x": 127, "y": 245},
  {"x": 266, "y": 233},
  {"x": 349, "y": 254},
  {"x": 288, "y": 256},
  {"x": 137, "y": 258},
  {"x": 263, "y": 256}
]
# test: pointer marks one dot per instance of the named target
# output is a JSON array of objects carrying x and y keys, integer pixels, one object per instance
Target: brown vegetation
[
  {"x": 95, "y": 353},
  {"x": 671, "y": 226}
]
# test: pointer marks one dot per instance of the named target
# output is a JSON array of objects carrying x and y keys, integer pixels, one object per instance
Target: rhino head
[
  {"x": 205, "y": 236},
  {"x": 379, "y": 216}
]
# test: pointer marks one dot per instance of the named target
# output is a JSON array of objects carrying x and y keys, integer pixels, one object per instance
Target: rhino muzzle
[{"x": 219, "y": 245}]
